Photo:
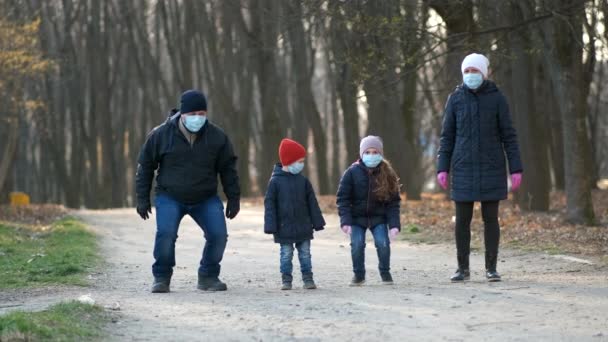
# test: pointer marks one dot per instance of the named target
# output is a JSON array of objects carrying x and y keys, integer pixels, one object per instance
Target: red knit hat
[{"x": 290, "y": 152}]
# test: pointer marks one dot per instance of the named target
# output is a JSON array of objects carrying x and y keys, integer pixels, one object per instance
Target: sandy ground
[{"x": 541, "y": 297}]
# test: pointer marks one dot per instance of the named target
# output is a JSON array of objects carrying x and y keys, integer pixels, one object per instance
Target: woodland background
[{"x": 83, "y": 81}]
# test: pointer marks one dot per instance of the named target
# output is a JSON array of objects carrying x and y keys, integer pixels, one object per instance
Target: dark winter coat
[
  {"x": 187, "y": 172},
  {"x": 291, "y": 210},
  {"x": 356, "y": 201},
  {"x": 476, "y": 133}
]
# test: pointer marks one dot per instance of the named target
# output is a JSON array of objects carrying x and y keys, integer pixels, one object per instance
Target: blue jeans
[
  {"x": 209, "y": 215},
  {"x": 383, "y": 248},
  {"x": 303, "y": 255}
]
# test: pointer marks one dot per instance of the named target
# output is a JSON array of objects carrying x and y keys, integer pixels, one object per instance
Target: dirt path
[{"x": 541, "y": 298}]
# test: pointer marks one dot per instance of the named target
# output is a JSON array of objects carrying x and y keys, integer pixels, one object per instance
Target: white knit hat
[
  {"x": 371, "y": 141},
  {"x": 477, "y": 61}
]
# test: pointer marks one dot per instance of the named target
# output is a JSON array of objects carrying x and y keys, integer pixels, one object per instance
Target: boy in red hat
[{"x": 292, "y": 213}]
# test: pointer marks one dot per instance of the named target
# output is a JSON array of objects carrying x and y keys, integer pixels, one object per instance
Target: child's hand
[
  {"x": 346, "y": 229},
  {"x": 392, "y": 234}
]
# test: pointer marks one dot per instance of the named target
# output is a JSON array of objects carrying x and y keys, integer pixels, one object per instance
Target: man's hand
[
  {"x": 144, "y": 209},
  {"x": 233, "y": 207}
]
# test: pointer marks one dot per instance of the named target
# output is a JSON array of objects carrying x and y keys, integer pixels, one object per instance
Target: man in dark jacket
[
  {"x": 187, "y": 152},
  {"x": 477, "y": 133}
]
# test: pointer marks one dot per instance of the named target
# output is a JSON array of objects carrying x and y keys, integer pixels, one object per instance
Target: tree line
[{"x": 324, "y": 72}]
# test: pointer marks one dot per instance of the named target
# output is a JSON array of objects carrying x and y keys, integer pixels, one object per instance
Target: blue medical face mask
[
  {"x": 472, "y": 80},
  {"x": 194, "y": 123},
  {"x": 296, "y": 168},
  {"x": 372, "y": 160}
]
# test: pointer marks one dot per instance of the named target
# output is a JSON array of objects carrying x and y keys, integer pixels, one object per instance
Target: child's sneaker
[
  {"x": 357, "y": 281},
  {"x": 309, "y": 283},
  {"x": 287, "y": 279},
  {"x": 387, "y": 279}
]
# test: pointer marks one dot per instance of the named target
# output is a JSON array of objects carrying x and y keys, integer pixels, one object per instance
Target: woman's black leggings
[{"x": 464, "y": 214}]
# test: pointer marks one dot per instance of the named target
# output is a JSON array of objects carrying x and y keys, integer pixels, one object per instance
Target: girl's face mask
[{"x": 371, "y": 160}]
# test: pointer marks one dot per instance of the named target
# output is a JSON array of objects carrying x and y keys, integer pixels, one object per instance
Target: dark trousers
[{"x": 491, "y": 233}]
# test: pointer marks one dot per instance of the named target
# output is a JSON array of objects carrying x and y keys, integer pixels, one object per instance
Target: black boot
[
  {"x": 491, "y": 273},
  {"x": 387, "y": 279},
  {"x": 462, "y": 273},
  {"x": 161, "y": 285},
  {"x": 287, "y": 279},
  {"x": 206, "y": 283},
  {"x": 309, "y": 283},
  {"x": 358, "y": 280}
]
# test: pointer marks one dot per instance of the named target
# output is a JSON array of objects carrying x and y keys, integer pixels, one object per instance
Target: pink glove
[
  {"x": 392, "y": 234},
  {"x": 346, "y": 229},
  {"x": 515, "y": 181},
  {"x": 442, "y": 178}
]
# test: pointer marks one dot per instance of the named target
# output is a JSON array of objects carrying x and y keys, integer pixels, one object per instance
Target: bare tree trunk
[
  {"x": 346, "y": 87},
  {"x": 306, "y": 106},
  {"x": 534, "y": 193},
  {"x": 265, "y": 33},
  {"x": 564, "y": 62},
  {"x": 413, "y": 174},
  {"x": 8, "y": 153},
  {"x": 458, "y": 17}
]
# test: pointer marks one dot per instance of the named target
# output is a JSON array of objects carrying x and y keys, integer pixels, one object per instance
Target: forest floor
[{"x": 543, "y": 295}]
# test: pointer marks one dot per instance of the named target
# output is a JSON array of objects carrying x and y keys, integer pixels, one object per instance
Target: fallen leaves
[
  {"x": 433, "y": 217},
  {"x": 33, "y": 214}
]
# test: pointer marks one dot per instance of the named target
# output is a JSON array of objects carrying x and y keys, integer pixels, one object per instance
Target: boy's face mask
[{"x": 296, "y": 168}]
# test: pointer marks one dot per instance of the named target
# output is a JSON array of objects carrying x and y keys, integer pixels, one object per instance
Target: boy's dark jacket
[
  {"x": 291, "y": 210},
  {"x": 357, "y": 204}
]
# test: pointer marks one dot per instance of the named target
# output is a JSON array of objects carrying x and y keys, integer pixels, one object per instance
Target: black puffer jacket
[
  {"x": 291, "y": 210},
  {"x": 357, "y": 204},
  {"x": 477, "y": 131},
  {"x": 187, "y": 172}
]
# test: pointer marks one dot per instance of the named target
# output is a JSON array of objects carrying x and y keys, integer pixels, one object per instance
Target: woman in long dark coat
[{"x": 477, "y": 133}]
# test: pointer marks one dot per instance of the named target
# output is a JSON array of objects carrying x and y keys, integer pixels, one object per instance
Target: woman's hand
[
  {"x": 442, "y": 178},
  {"x": 515, "y": 181}
]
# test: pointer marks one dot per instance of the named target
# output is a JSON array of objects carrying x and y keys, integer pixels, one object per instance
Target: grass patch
[
  {"x": 69, "y": 321},
  {"x": 415, "y": 234},
  {"x": 549, "y": 248},
  {"x": 61, "y": 253}
]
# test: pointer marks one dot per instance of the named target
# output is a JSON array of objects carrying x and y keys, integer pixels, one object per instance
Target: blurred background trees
[{"x": 95, "y": 76}]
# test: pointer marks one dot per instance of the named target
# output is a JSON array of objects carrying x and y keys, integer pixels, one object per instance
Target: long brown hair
[{"x": 387, "y": 182}]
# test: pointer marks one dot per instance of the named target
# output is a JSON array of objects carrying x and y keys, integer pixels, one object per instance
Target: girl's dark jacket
[
  {"x": 477, "y": 132},
  {"x": 356, "y": 201},
  {"x": 291, "y": 210}
]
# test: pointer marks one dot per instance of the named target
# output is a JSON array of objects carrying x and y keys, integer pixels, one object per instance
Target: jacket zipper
[{"x": 369, "y": 190}]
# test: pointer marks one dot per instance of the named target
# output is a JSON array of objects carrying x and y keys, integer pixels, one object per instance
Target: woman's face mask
[{"x": 472, "y": 78}]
